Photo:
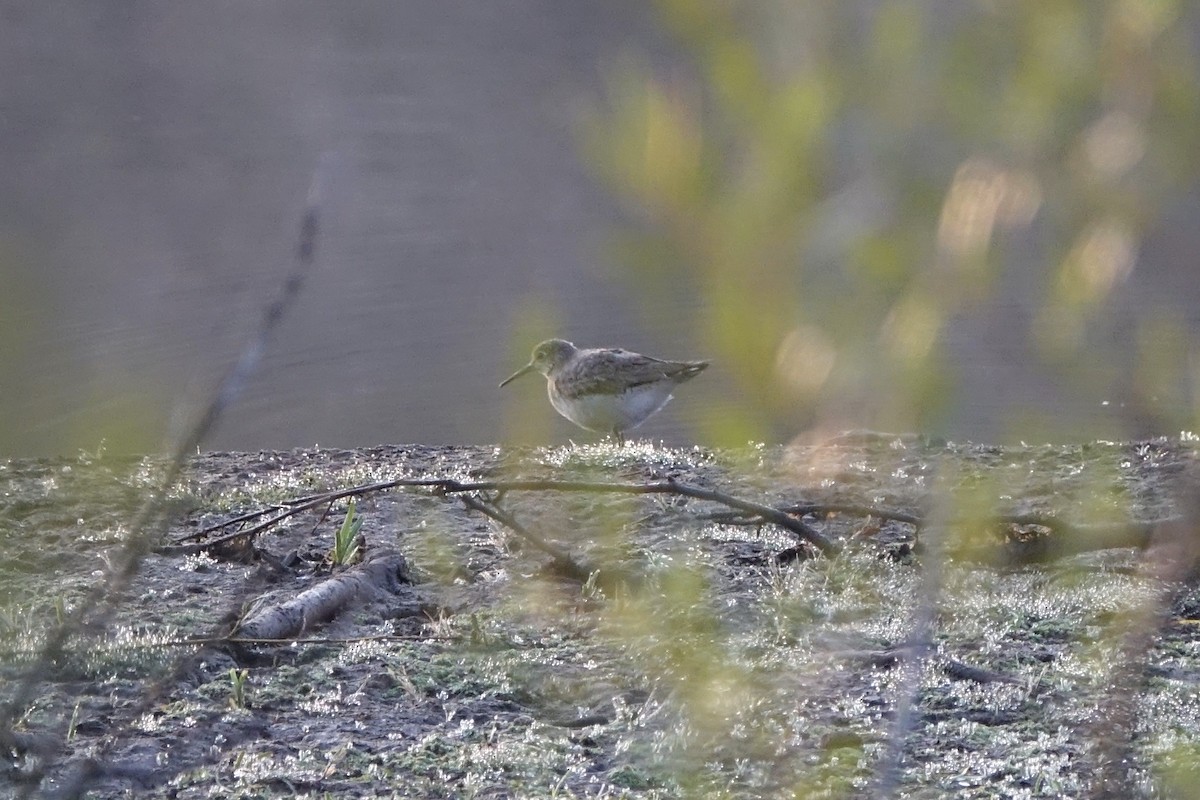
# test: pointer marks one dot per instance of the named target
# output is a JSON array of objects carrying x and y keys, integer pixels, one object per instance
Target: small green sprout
[
  {"x": 237, "y": 687},
  {"x": 345, "y": 543}
]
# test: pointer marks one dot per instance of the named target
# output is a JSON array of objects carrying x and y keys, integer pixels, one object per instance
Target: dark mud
[{"x": 701, "y": 666}]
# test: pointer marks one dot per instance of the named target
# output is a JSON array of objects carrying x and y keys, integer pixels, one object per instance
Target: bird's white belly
[{"x": 609, "y": 412}]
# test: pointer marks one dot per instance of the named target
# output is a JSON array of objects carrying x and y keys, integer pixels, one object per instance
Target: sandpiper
[{"x": 606, "y": 389}]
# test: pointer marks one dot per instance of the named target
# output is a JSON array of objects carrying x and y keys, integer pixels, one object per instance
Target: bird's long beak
[{"x": 516, "y": 374}]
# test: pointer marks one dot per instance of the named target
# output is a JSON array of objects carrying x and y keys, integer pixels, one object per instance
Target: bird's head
[{"x": 547, "y": 357}]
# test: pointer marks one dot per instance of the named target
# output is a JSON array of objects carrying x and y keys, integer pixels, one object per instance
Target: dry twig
[{"x": 450, "y": 486}]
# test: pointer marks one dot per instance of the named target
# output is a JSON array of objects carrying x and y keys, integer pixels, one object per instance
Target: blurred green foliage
[
  {"x": 34, "y": 380},
  {"x": 836, "y": 182}
]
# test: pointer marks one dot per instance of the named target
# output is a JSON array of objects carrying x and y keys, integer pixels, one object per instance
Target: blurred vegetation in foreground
[{"x": 840, "y": 184}]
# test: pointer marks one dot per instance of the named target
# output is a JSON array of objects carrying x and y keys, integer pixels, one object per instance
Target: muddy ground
[{"x": 710, "y": 657}]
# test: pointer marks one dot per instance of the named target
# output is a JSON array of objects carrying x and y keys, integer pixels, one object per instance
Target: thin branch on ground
[
  {"x": 1062, "y": 539},
  {"x": 211, "y": 529},
  {"x": 286, "y": 509},
  {"x": 218, "y": 640},
  {"x": 958, "y": 670},
  {"x": 854, "y": 509},
  {"x": 563, "y": 562},
  {"x": 450, "y": 486}
]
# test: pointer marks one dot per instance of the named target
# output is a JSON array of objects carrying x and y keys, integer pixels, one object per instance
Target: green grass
[{"x": 345, "y": 542}]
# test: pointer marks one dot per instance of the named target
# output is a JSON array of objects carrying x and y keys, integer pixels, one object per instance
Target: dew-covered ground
[{"x": 701, "y": 665}]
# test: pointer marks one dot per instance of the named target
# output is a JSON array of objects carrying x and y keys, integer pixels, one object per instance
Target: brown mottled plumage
[{"x": 603, "y": 389}]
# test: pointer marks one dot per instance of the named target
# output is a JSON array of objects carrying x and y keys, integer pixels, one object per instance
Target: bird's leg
[{"x": 616, "y": 432}]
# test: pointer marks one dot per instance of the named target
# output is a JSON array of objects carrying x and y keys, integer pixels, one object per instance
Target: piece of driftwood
[{"x": 384, "y": 571}]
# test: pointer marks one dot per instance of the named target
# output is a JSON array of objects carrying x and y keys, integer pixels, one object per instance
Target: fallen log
[{"x": 383, "y": 572}]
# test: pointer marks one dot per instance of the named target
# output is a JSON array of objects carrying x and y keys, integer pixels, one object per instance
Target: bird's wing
[{"x": 616, "y": 371}]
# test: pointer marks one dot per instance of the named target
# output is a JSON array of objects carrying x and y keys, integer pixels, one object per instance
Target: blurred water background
[{"x": 508, "y": 171}]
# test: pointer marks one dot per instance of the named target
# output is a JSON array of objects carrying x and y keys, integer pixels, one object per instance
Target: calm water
[{"x": 153, "y": 163}]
